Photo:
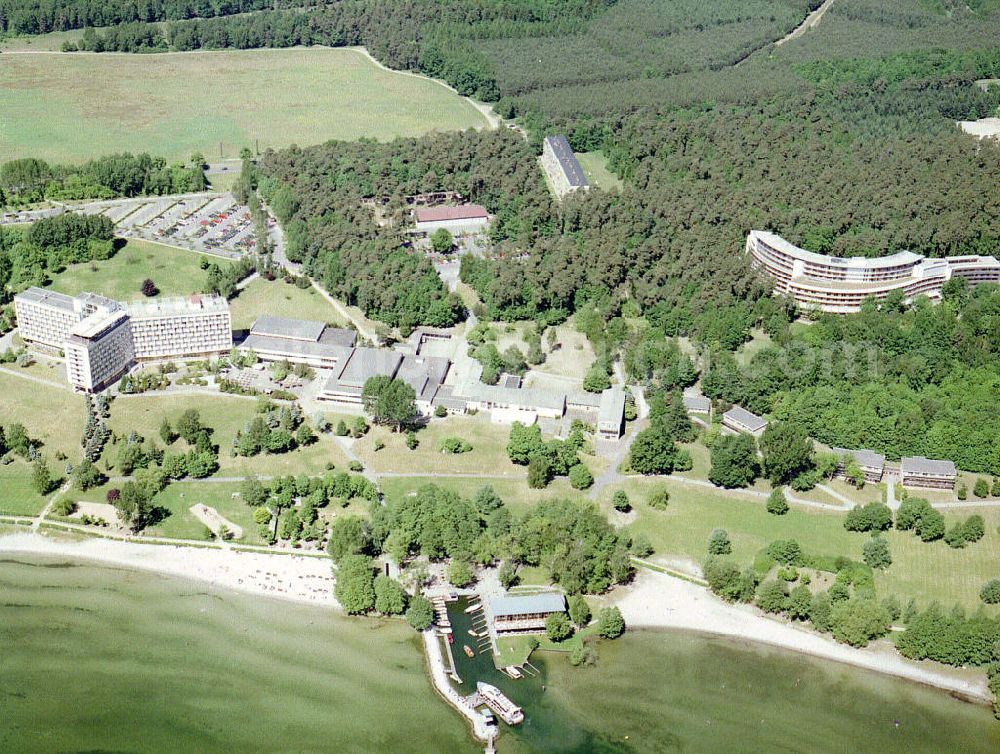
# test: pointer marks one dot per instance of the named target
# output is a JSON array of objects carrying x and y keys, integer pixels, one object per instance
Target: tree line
[{"x": 29, "y": 179}]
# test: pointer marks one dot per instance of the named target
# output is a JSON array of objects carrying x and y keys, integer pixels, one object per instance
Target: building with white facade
[
  {"x": 917, "y": 471},
  {"x": 872, "y": 464},
  {"x": 562, "y": 167},
  {"x": 99, "y": 350},
  {"x": 841, "y": 285},
  {"x": 166, "y": 328},
  {"x": 102, "y": 338},
  {"x": 611, "y": 414},
  {"x": 299, "y": 341}
]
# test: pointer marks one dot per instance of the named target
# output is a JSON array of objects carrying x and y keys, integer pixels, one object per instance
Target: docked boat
[
  {"x": 473, "y": 608},
  {"x": 468, "y": 650},
  {"x": 513, "y": 672},
  {"x": 504, "y": 708},
  {"x": 473, "y": 633}
]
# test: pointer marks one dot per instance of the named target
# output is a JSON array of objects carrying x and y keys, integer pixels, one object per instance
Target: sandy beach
[
  {"x": 660, "y": 601},
  {"x": 307, "y": 580}
]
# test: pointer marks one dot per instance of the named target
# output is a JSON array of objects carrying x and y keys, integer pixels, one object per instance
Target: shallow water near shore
[{"x": 103, "y": 658}]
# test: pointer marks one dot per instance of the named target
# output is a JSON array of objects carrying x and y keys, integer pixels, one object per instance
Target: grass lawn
[
  {"x": 595, "y": 167},
  {"x": 488, "y": 454},
  {"x": 175, "y": 272},
  {"x": 17, "y": 496},
  {"x": 226, "y": 415},
  {"x": 515, "y": 493},
  {"x": 44, "y": 369},
  {"x": 53, "y": 415},
  {"x": 72, "y": 107},
  {"x": 282, "y": 300},
  {"x": 44, "y": 42},
  {"x": 923, "y": 571},
  {"x": 182, "y": 524}
]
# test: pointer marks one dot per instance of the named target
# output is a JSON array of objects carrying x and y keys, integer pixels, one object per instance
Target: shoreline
[
  {"x": 654, "y": 602},
  {"x": 296, "y": 578},
  {"x": 661, "y": 602}
]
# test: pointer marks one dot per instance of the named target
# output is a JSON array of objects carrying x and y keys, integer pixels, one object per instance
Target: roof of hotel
[
  {"x": 741, "y": 416},
  {"x": 96, "y": 324},
  {"x": 165, "y": 307},
  {"x": 864, "y": 457},
  {"x": 900, "y": 258},
  {"x": 338, "y": 336},
  {"x": 424, "y": 374},
  {"x": 548, "y": 602},
  {"x": 441, "y": 214},
  {"x": 37, "y": 295},
  {"x": 920, "y": 465},
  {"x": 567, "y": 160},
  {"x": 612, "y": 407},
  {"x": 286, "y": 327}
]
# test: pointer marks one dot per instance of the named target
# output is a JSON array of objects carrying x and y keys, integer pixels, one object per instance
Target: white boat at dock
[
  {"x": 503, "y": 707},
  {"x": 473, "y": 608}
]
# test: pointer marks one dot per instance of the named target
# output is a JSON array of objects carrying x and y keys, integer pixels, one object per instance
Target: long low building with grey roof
[
  {"x": 299, "y": 341},
  {"x": 739, "y": 419},
  {"x": 872, "y": 464},
  {"x": 562, "y": 167},
  {"x": 917, "y": 471},
  {"x": 525, "y": 614}
]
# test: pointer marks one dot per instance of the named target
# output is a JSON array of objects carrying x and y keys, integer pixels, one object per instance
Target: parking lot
[
  {"x": 213, "y": 223},
  {"x": 209, "y": 222}
]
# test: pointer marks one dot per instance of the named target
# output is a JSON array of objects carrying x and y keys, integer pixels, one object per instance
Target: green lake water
[{"x": 98, "y": 659}]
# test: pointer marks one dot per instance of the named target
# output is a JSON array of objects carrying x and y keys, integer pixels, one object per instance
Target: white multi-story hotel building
[
  {"x": 841, "y": 285},
  {"x": 102, "y": 338},
  {"x": 165, "y": 328}
]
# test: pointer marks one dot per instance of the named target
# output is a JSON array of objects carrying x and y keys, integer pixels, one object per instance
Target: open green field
[
  {"x": 53, "y": 415},
  {"x": 226, "y": 415},
  {"x": 17, "y": 496},
  {"x": 595, "y": 167},
  {"x": 488, "y": 454},
  {"x": 52, "y": 41},
  {"x": 182, "y": 524},
  {"x": 175, "y": 272},
  {"x": 925, "y": 571},
  {"x": 80, "y": 105},
  {"x": 281, "y": 300}
]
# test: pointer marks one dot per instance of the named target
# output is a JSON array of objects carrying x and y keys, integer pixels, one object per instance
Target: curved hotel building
[{"x": 840, "y": 285}]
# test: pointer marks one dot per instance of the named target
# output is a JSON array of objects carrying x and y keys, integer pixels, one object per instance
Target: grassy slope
[
  {"x": 175, "y": 272},
  {"x": 282, "y": 300},
  {"x": 70, "y": 107}
]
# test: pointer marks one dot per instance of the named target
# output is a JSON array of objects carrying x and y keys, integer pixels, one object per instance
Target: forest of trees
[{"x": 29, "y": 179}]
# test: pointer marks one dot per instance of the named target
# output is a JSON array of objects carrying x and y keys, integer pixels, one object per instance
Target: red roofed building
[{"x": 467, "y": 218}]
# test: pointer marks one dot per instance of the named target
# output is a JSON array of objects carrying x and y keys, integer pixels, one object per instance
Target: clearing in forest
[{"x": 70, "y": 107}]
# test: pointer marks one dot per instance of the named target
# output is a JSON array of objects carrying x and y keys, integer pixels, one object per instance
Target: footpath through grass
[{"x": 68, "y": 108}]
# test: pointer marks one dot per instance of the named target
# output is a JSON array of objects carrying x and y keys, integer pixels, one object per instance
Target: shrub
[
  {"x": 558, "y": 628},
  {"x": 642, "y": 547},
  {"x": 659, "y": 499},
  {"x": 772, "y": 597},
  {"x": 990, "y": 593},
  {"x": 539, "y": 472},
  {"x": 378, "y": 445},
  {"x": 621, "y": 502},
  {"x": 974, "y": 528},
  {"x": 455, "y": 445},
  {"x": 786, "y": 551},
  {"x": 869, "y": 517},
  {"x": 981, "y": 488},
  {"x": 411, "y": 440},
  {"x": 718, "y": 542},
  {"x": 460, "y": 573},
  {"x": 726, "y": 580},
  {"x": 149, "y": 288},
  {"x": 579, "y": 611},
  {"x": 420, "y": 613},
  {"x": 859, "y": 620},
  {"x": 64, "y": 507},
  {"x": 440, "y": 411},
  {"x": 610, "y": 623},
  {"x": 580, "y": 477},
  {"x": 962, "y": 491},
  {"x": 584, "y": 655},
  {"x": 776, "y": 503},
  {"x": 876, "y": 553},
  {"x": 356, "y": 466}
]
